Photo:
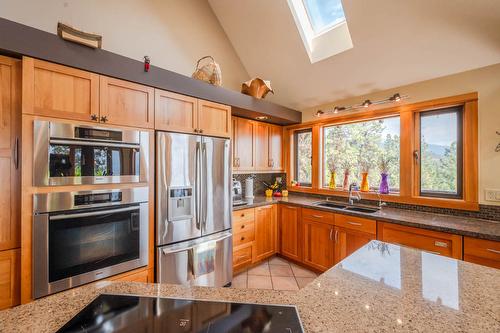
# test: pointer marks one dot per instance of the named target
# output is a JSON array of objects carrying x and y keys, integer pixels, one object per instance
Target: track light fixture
[{"x": 367, "y": 103}]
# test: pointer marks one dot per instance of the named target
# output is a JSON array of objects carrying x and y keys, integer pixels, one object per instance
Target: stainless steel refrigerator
[{"x": 193, "y": 210}]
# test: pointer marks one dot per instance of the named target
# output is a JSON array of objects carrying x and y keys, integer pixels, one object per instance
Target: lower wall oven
[{"x": 80, "y": 237}]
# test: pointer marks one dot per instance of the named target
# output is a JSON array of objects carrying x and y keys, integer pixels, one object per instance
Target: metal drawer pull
[
  {"x": 493, "y": 251},
  {"x": 355, "y": 223},
  {"x": 242, "y": 215},
  {"x": 242, "y": 238},
  {"x": 318, "y": 216},
  {"x": 243, "y": 226},
  {"x": 331, "y": 234},
  {"x": 440, "y": 244},
  {"x": 434, "y": 252}
]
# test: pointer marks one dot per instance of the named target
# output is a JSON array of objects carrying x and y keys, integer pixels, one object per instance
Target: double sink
[{"x": 352, "y": 208}]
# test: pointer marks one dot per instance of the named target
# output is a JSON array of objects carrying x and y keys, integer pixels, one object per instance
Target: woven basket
[
  {"x": 209, "y": 73},
  {"x": 257, "y": 88}
]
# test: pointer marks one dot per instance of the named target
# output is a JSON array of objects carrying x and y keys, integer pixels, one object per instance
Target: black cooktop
[{"x": 126, "y": 313}]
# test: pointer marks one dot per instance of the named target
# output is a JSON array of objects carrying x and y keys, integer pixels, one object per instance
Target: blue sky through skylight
[{"x": 324, "y": 14}]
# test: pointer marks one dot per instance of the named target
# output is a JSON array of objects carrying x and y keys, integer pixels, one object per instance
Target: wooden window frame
[
  {"x": 295, "y": 153},
  {"x": 409, "y": 191}
]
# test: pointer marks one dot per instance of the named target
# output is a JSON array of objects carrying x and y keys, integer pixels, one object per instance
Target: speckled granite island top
[
  {"x": 379, "y": 288},
  {"x": 459, "y": 225}
]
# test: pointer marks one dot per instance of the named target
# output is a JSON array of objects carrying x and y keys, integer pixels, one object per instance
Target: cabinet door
[
  {"x": 214, "y": 119},
  {"x": 265, "y": 232},
  {"x": 290, "y": 232},
  {"x": 9, "y": 278},
  {"x": 318, "y": 244},
  {"x": 441, "y": 243},
  {"x": 10, "y": 132},
  {"x": 242, "y": 256},
  {"x": 262, "y": 146},
  {"x": 347, "y": 241},
  {"x": 59, "y": 91},
  {"x": 174, "y": 112},
  {"x": 243, "y": 145},
  {"x": 134, "y": 276},
  {"x": 482, "y": 252},
  {"x": 276, "y": 147},
  {"x": 126, "y": 103}
]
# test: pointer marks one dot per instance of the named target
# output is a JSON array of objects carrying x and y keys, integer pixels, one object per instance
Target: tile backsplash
[{"x": 258, "y": 178}]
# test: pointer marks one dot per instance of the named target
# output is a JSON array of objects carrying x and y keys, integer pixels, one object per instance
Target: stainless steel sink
[
  {"x": 361, "y": 209},
  {"x": 329, "y": 204}
]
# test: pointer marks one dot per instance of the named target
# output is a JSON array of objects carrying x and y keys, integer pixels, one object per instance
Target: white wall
[
  {"x": 174, "y": 33},
  {"x": 486, "y": 81}
]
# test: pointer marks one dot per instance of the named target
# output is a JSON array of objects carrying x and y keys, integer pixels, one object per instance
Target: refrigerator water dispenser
[{"x": 180, "y": 203}]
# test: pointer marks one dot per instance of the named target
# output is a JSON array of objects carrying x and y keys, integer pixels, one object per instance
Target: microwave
[{"x": 73, "y": 154}]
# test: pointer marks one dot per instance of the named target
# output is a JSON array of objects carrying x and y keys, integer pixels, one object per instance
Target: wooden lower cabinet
[
  {"x": 265, "y": 232},
  {"x": 481, "y": 251},
  {"x": 242, "y": 256},
  {"x": 138, "y": 275},
  {"x": 290, "y": 231},
  {"x": 347, "y": 241},
  {"x": 441, "y": 243},
  {"x": 318, "y": 244},
  {"x": 9, "y": 278}
]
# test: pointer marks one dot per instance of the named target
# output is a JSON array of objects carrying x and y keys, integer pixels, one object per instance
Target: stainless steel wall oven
[
  {"x": 80, "y": 237},
  {"x": 71, "y": 154}
]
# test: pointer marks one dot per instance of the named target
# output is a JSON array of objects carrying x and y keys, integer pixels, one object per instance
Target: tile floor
[{"x": 276, "y": 273}]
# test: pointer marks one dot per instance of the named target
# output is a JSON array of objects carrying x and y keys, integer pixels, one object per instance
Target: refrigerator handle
[
  {"x": 197, "y": 203},
  {"x": 204, "y": 184}
]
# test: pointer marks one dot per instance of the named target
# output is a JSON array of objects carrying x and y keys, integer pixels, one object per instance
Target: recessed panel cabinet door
[
  {"x": 318, "y": 244},
  {"x": 59, "y": 91},
  {"x": 9, "y": 278},
  {"x": 276, "y": 147},
  {"x": 174, "y": 112},
  {"x": 214, "y": 119},
  {"x": 10, "y": 164},
  {"x": 348, "y": 241},
  {"x": 243, "y": 145},
  {"x": 262, "y": 161},
  {"x": 290, "y": 231},
  {"x": 265, "y": 232},
  {"x": 126, "y": 103}
]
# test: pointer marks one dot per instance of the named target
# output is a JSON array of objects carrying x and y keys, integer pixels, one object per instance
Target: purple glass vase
[{"x": 384, "y": 183}]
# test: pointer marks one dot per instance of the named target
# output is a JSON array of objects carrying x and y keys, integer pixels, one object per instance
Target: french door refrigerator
[{"x": 193, "y": 210}]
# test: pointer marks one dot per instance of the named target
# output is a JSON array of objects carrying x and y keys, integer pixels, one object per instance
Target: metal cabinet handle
[
  {"x": 239, "y": 163},
  {"x": 242, "y": 215},
  {"x": 336, "y": 236},
  {"x": 104, "y": 119},
  {"x": 94, "y": 117},
  {"x": 16, "y": 154},
  {"x": 242, "y": 238},
  {"x": 331, "y": 234},
  {"x": 200, "y": 130},
  {"x": 440, "y": 244},
  {"x": 318, "y": 216},
  {"x": 196, "y": 130},
  {"x": 493, "y": 251},
  {"x": 355, "y": 223},
  {"x": 243, "y": 226}
]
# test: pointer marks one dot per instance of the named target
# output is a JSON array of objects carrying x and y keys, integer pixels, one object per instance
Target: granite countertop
[
  {"x": 380, "y": 288},
  {"x": 465, "y": 226}
]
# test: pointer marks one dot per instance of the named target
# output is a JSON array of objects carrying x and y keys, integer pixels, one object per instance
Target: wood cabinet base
[{"x": 9, "y": 278}]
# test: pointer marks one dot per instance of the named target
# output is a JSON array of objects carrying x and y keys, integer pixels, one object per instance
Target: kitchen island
[{"x": 381, "y": 287}]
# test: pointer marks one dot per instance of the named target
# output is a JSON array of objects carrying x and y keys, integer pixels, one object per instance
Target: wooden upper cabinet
[
  {"x": 261, "y": 136},
  {"x": 9, "y": 278},
  {"x": 431, "y": 241},
  {"x": 126, "y": 103},
  {"x": 214, "y": 119},
  {"x": 59, "y": 91},
  {"x": 243, "y": 145},
  {"x": 10, "y": 163},
  {"x": 265, "y": 232},
  {"x": 174, "y": 112},
  {"x": 482, "y": 251},
  {"x": 318, "y": 244},
  {"x": 275, "y": 147},
  {"x": 290, "y": 232}
]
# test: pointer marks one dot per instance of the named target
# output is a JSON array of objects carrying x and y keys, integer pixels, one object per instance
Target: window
[
  {"x": 441, "y": 153},
  {"x": 324, "y": 14},
  {"x": 303, "y": 157},
  {"x": 363, "y": 146}
]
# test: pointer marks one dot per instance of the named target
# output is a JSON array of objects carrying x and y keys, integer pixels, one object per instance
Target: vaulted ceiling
[{"x": 395, "y": 43}]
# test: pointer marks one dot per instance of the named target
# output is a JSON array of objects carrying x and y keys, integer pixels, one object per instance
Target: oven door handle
[
  {"x": 94, "y": 143},
  {"x": 100, "y": 212}
]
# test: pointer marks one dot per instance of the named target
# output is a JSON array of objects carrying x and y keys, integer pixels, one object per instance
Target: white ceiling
[{"x": 395, "y": 43}]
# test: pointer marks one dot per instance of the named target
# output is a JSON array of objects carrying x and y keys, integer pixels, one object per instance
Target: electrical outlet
[{"x": 492, "y": 195}]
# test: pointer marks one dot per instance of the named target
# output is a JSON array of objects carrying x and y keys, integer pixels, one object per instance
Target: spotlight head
[
  {"x": 319, "y": 113},
  {"x": 366, "y": 103},
  {"x": 396, "y": 97}
]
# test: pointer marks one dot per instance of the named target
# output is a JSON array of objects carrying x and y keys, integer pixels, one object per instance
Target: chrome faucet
[
  {"x": 351, "y": 195},
  {"x": 380, "y": 202}
]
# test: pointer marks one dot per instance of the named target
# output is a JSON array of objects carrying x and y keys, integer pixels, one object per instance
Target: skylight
[
  {"x": 324, "y": 14},
  {"x": 322, "y": 26}
]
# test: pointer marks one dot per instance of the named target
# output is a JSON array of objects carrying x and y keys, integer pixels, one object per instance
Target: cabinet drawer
[
  {"x": 244, "y": 215},
  {"x": 242, "y": 226},
  {"x": 356, "y": 223},
  {"x": 481, "y": 251},
  {"x": 132, "y": 276},
  {"x": 318, "y": 215},
  {"x": 243, "y": 237},
  {"x": 441, "y": 243},
  {"x": 242, "y": 256}
]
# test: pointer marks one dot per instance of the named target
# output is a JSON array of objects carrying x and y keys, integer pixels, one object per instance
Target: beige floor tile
[
  {"x": 278, "y": 261},
  {"x": 302, "y": 272},
  {"x": 240, "y": 281},
  {"x": 284, "y": 283},
  {"x": 259, "y": 282},
  {"x": 281, "y": 270},
  {"x": 262, "y": 269},
  {"x": 303, "y": 281}
]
